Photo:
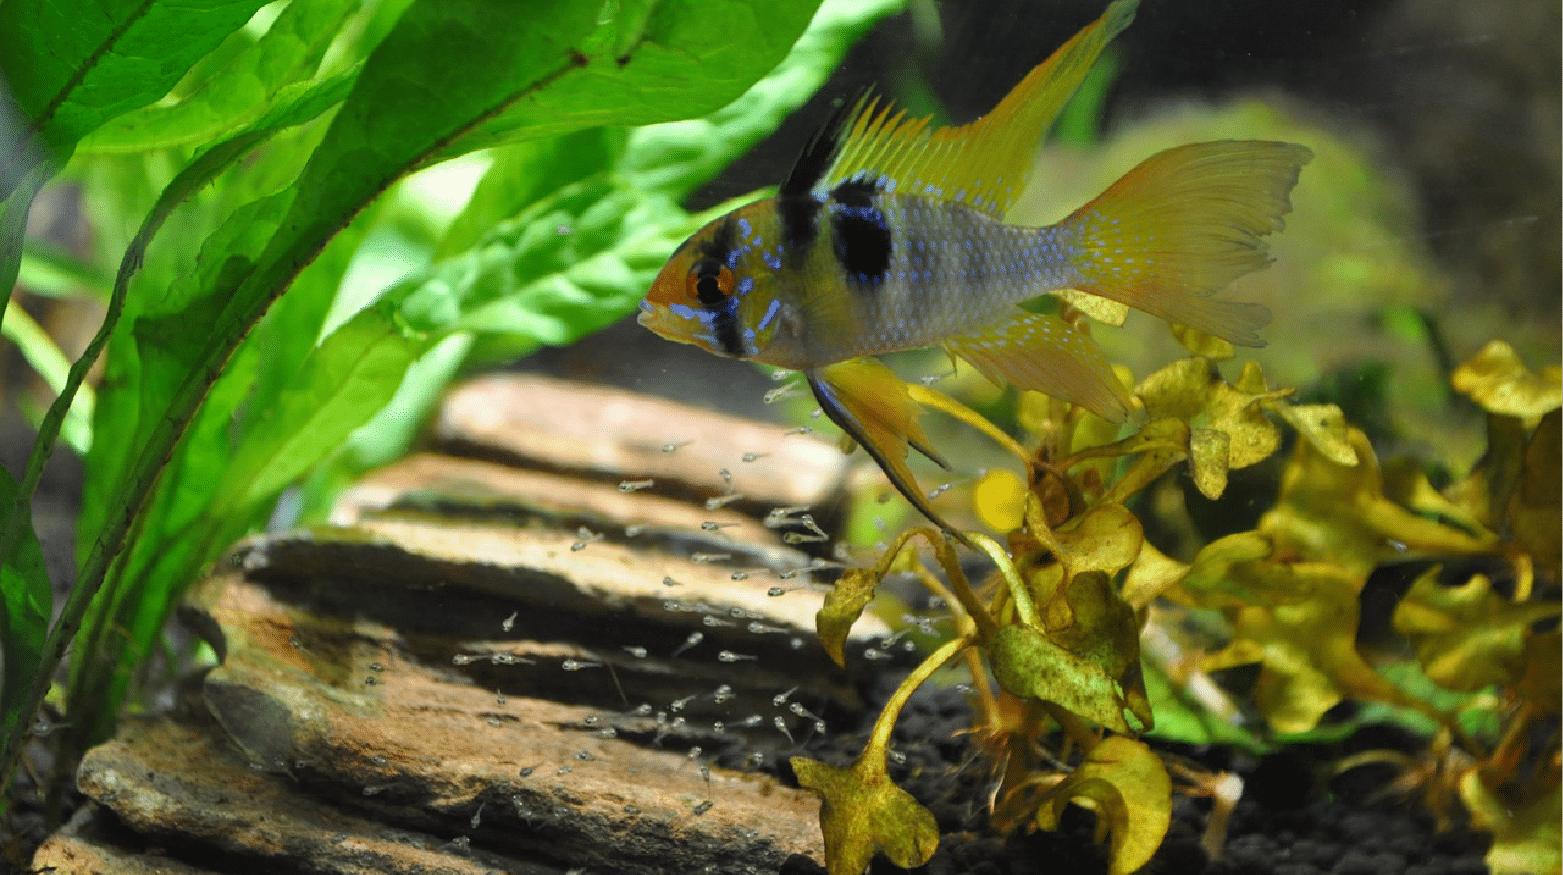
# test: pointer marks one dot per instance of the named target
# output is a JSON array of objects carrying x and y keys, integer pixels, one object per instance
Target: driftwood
[{"x": 536, "y": 647}]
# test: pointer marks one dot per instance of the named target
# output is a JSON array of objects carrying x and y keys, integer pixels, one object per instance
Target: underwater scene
[{"x": 649, "y": 436}]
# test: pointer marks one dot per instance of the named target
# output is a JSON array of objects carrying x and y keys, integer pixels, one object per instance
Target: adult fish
[{"x": 888, "y": 235}]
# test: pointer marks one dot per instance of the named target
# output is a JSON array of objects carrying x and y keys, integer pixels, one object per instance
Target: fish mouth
[{"x": 657, "y": 323}]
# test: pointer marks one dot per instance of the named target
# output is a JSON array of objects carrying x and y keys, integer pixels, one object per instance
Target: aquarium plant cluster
[{"x": 1052, "y": 640}]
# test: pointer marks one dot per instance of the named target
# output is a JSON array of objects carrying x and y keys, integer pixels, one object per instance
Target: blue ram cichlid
[{"x": 887, "y": 236}]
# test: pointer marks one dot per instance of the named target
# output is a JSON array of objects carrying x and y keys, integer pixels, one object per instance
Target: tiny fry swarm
[{"x": 888, "y": 235}]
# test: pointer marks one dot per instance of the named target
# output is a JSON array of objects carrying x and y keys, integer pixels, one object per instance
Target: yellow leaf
[
  {"x": 1232, "y": 571},
  {"x": 1200, "y": 343},
  {"x": 1153, "y": 572},
  {"x": 1467, "y": 637},
  {"x": 1484, "y": 493},
  {"x": 1101, "y": 309},
  {"x": 1238, "y": 411},
  {"x": 1227, "y": 425},
  {"x": 1323, "y": 426},
  {"x": 1307, "y": 650},
  {"x": 1541, "y": 681},
  {"x": 1161, "y": 444},
  {"x": 1181, "y": 390},
  {"x": 1525, "y": 838},
  {"x": 1498, "y": 381},
  {"x": 843, "y": 605},
  {"x": 862, "y": 813},
  {"x": 1105, "y": 538},
  {"x": 1535, "y": 515},
  {"x": 1127, "y": 786},
  {"x": 1209, "y": 451},
  {"x": 1000, "y": 500},
  {"x": 1329, "y": 510}
]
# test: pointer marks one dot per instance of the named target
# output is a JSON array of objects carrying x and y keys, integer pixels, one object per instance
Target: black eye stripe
[{"x": 724, "y": 327}]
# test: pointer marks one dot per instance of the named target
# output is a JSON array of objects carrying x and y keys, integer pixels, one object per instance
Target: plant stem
[
  {"x": 879, "y": 740},
  {"x": 940, "y": 401},
  {"x": 1017, "y": 587}
]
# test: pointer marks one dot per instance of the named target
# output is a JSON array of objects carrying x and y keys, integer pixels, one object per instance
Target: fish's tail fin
[
  {"x": 1181, "y": 226},
  {"x": 871, "y": 405}
]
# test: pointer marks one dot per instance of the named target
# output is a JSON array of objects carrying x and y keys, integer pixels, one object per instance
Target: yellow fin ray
[
  {"x": 1048, "y": 355},
  {"x": 871, "y": 404},
  {"x": 1181, "y": 226},
  {"x": 984, "y": 164}
]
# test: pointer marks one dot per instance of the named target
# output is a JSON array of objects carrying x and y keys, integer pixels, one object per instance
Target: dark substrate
[{"x": 1295, "y": 818}]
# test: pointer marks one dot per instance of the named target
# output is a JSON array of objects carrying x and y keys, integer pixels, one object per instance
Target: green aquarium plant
[{"x": 281, "y": 305}]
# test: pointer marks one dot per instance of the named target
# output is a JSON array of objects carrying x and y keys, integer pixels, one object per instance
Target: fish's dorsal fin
[{"x": 984, "y": 164}]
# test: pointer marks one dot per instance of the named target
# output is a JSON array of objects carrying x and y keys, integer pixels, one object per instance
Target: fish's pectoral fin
[
  {"x": 1048, "y": 355},
  {"x": 871, "y": 405}
]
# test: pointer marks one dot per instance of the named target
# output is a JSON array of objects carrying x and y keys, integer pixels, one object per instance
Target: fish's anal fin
[
  {"x": 984, "y": 164},
  {"x": 871, "y": 405},
  {"x": 1048, "y": 355},
  {"x": 1183, "y": 225}
]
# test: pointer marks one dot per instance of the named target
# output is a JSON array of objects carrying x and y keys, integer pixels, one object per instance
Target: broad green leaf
[
  {"x": 437, "y": 74},
  {"x": 50, "y": 272},
  {"x": 346, "y": 380},
  {"x": 522, "y": 174},
  {"x": 636, "y": 68},
  {"x": 1181, "y": 716},
  {"x": 1124, "y": 782},
  {"x": 70, "y": 67},
  {"x": 863, "y": 813},
  {"x": 40, "y": 351},
  {"x": 268, "y": 72},
  {"x": 25, "y": 604}
]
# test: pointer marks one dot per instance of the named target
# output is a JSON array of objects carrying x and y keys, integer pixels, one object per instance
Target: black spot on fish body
[
  {"x": 862, "y": 237},
  {"x": 856, "y": 192}
]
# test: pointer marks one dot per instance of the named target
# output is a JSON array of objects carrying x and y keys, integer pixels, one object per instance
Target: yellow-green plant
[{"x": 1052, "y": 640}]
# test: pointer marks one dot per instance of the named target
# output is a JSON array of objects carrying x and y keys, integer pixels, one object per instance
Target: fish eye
[{"x": 710, "y": 283}]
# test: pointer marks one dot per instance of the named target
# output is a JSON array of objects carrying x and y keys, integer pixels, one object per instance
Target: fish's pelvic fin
[
  {"x": 984, "y": 164},
  {"x": 1183, "y": 225},
  {"x": 1048, "y": 355},
  {"x": 871, "y": 405}
]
